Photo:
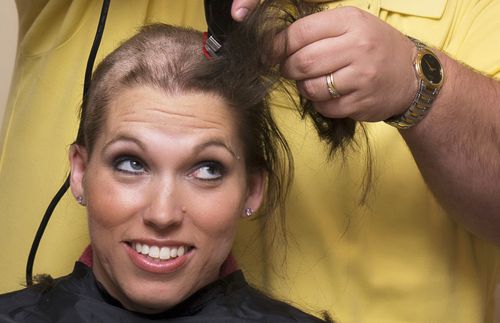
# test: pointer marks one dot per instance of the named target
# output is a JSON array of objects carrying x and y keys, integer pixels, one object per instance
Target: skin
[
  {"x": 165, "y": 170},
  {"x": 455, "y": 146},
  {"x": 240, "y": 8}
]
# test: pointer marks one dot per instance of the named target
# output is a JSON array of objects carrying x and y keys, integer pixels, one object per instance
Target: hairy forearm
[{"x": 457, "y": 149}]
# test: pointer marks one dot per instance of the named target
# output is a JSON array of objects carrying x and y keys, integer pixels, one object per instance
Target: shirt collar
[{"x": 423, "y": 8}]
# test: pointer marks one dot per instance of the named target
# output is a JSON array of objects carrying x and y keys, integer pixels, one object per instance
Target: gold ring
[{"x": 334, "y": 93}]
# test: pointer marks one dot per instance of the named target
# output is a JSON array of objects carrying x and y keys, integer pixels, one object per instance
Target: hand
[
  {"x": 371, "y": 64},
  {"x": 240, "y": 8}
]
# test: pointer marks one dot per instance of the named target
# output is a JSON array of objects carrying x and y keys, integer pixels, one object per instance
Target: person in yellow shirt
[{"x": 400, "y": 256}]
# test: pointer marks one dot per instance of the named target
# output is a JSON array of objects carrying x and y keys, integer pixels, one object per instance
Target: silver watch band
[
  {"x": 421, "y": 103},
  {"x": 417, "y": 110}
]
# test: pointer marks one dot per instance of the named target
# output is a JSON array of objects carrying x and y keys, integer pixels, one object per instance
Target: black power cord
[{"x": 55, "y": 200}]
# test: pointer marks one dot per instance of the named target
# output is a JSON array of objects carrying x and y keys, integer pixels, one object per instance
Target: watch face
[{"x": 431, "y": 68}]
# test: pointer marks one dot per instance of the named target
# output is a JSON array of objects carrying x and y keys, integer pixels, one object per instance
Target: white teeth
[
  {"x": 163, "y": 253},
  {"x": 145, "y": 249},
  {"x": 154, "y": 252}
]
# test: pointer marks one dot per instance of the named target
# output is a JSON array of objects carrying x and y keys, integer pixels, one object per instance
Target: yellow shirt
[{"x": 397, "y": 259}]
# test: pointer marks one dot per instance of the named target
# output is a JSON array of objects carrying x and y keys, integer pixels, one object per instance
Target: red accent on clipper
[{"x": 204, "y": 48}]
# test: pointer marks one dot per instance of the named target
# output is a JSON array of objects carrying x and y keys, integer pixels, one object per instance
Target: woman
[{"x": 173, "y": 149}]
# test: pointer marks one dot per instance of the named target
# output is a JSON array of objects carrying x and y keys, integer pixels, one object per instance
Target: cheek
[
  {"x": 218, "y": 214},
  {"x": 109, "y": 203}
]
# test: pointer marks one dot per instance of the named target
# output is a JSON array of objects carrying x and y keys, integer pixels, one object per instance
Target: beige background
[{"x": 8, "y": 41}]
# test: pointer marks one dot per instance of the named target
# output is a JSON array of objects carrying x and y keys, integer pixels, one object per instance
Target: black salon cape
[{"x": 78, "y": 298}]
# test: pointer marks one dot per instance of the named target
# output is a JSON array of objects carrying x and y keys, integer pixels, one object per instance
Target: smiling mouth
[{"x": 160, "y": 253}]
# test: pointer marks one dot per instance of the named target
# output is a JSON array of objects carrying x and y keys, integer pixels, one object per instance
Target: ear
[
  {"x": 255, "y": 192},
  {"x": 78, "y": 159}
]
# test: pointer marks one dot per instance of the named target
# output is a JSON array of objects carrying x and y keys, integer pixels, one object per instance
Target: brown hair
[{"x": 170, "y": 59}]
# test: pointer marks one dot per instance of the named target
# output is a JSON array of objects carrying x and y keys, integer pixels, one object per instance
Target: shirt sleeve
[{"x": 474, "y": 36}]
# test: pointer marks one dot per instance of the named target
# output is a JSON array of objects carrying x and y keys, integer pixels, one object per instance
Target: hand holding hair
[
  {"x": 368, "y": 64},
  {"x": 351, "y": 64}
]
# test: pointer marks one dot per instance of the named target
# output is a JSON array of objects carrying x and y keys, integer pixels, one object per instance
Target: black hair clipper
[{"x": 220, "y": 24}]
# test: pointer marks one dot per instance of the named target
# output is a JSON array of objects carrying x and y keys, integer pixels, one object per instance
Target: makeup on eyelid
[{"x": 206, "y": 170}]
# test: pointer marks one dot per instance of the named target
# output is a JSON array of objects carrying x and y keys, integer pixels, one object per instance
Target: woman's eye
[
  {"x": 209, "y": 171},
  {"x": 129, "y": 165}
]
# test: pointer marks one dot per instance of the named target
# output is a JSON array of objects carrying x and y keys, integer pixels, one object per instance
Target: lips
[{"x": 158, "y": 258}]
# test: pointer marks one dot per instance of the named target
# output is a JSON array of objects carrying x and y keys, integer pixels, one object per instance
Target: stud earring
[
  {"x": 248, "y": 212},
  {"x": 80, "y": 201}
]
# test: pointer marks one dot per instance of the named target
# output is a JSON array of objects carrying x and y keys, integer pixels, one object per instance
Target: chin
[
  {"x": 151, "y": 297},
  {"x": 148, "y": 305}
]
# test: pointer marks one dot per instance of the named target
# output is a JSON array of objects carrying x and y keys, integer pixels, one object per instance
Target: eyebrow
[
  {"x": 215, "y": 142},
  {"x": 197, "y": 148},
  {"x": 125, "y": 138}
]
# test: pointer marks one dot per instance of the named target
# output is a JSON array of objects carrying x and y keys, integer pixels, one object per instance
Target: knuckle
[
  {"x": 308, "y": 89},
  {"x": 323, "y": 108},
  {"x": 350, "y": 111},
  {"x": 370, "y": 74},
  {"x": 366, "y": 44},
  {"x": 329, "y": 109},
  {"x": 304, "y": 63},
  {"x": 354, "y": 13},
  {"x": 367, "y": 77}
]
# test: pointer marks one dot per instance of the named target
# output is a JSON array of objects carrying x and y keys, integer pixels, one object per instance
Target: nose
[{"x": 164, "y": 210}]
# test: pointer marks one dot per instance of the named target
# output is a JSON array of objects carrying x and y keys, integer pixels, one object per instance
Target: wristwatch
[{"x": 430, "y": 76}]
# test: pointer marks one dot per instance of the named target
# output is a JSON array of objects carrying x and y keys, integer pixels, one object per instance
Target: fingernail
[{"x": 241, "y": 13}]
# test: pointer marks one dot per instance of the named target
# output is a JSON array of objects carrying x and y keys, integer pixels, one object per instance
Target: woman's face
[{"x": 164, "y": 187}]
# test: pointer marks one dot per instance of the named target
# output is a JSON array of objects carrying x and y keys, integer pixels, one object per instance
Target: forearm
[
  {"x": 456, "y": 146},
  {"x": 457, "y": 149}
]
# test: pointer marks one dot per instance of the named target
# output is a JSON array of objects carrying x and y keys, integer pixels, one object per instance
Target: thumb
[{"x": 241, "y": 8}]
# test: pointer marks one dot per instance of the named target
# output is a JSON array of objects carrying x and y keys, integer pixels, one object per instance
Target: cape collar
[{"x": 84, "y": 283}]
